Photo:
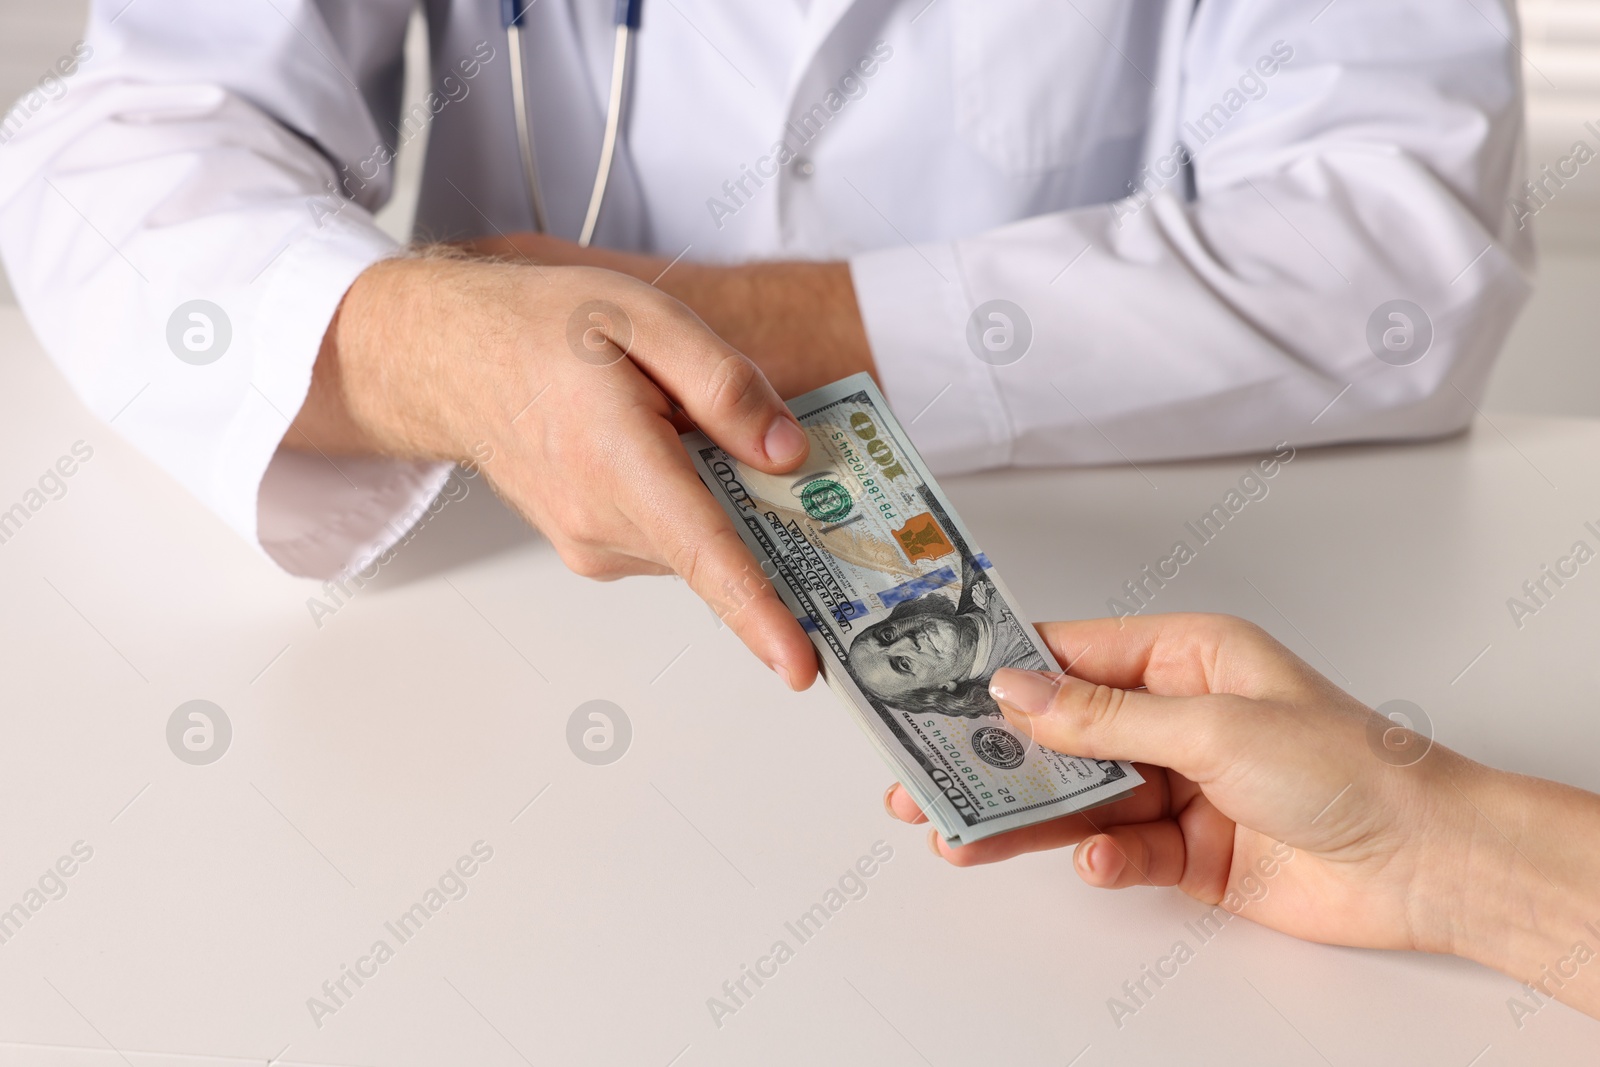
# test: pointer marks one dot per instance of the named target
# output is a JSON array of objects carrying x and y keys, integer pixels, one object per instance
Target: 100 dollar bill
[{"x": 908, "y": 615}]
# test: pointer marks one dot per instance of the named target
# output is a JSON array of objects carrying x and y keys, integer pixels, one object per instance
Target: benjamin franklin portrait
[{"x": 936, "y": 653}]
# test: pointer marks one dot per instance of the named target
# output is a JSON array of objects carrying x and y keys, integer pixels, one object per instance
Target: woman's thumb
[{"x": 1079, "y": 718}]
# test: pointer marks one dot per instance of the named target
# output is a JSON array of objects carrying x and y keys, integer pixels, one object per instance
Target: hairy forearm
[
  {"x": 799, "y": 321},
  {"x": 386, "y": 369}
]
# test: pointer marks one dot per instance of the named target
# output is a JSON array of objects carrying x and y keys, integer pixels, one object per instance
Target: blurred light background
[{"x": 1550, "y": 365}]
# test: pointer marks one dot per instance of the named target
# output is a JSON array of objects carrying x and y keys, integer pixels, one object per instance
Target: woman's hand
[{"x": 1274, "y": 793}]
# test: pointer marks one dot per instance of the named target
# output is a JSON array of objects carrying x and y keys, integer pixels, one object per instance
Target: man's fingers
[
  {"x": 1149, "y": 853},
  {"x": 1195, "y": 736},
  {"x": 718, "y": 388},
  {"x": 608, "y": 565},
  {"x": 693, "y": 536}
]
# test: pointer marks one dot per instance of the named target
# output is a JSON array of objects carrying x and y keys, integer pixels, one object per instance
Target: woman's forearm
[
  {"x": 1528, "y": 902},
  {"x": 1437, "y": 853}
]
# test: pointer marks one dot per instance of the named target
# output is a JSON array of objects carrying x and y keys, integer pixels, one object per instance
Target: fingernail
[
  {"x": 784, "y": 441},
  {"x": 1027, "y": 691},
  {"x": 933, "y": 843},
  {"x": 781, "y": 672},
  {"x": 1088, "y": 854},
  {"x": 887, "y": 793}
]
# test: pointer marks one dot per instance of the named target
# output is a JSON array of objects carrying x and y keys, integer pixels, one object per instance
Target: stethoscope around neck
[{"x": 513, "y": 13}]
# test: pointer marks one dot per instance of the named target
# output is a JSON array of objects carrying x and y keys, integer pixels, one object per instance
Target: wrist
[
  {"x": 1526, "y": 887},
  {"x": 799, "y": 321},
  {"x": 1484, "y": 893},
  {"x": 394, "y": 376}
]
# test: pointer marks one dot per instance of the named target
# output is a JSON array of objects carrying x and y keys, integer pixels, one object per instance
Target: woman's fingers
[
  {"x": 1195, "y": 736},
  {"x": 1140, "y": 650},
  {"x": 898, "y": 802},
  {"x": 1040, "y": 837},
  {"x": 1180, "y": 655},
  {"x": 1149, "y": 853},
  {"x": 1208, "y": 838},
  {"x": 1150, "y": 801},
  {"x": 1271, "y": 766}
]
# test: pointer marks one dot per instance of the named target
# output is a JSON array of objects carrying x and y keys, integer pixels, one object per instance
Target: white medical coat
[{"x": 1198, "y": 208}]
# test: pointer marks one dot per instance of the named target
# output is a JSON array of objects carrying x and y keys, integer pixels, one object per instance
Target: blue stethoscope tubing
[{"x": 513, "y": 14}]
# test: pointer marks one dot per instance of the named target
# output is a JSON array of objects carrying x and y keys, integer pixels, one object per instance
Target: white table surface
[{"x": 424, "y": 716}]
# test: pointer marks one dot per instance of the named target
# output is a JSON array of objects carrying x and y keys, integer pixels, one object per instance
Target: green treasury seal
[{"x": 825, "y": 500}]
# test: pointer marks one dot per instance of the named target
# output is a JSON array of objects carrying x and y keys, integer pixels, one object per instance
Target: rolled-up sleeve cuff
[
  {"x": 315, "y": 516},
  {"x": 318, "y": 520},
  {"x": 915, "y": 307}
]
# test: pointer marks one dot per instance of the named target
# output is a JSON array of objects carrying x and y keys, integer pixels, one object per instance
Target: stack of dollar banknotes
[{"x": 908, "y": 615}]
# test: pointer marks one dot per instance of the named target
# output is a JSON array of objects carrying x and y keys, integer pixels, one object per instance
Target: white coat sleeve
[
  {"x": 1225, "y": 307},
  {"x": 216, "y": 152}
]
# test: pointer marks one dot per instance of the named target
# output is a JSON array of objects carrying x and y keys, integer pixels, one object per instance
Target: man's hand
[
  {"x": 582, "y": 408},
  {"x": 798, "y": 321},
  {"x": 1273, "y": 792}
]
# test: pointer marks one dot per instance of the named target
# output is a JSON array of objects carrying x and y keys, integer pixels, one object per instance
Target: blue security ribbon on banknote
[{"x": 909, "y": 617}]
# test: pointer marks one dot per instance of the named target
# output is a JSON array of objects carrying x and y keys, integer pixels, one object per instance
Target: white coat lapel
[{"x": 822, "y": 18}]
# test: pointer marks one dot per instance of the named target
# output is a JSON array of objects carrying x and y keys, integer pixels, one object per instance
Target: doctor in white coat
[{"x": 1058, "y": 231}]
